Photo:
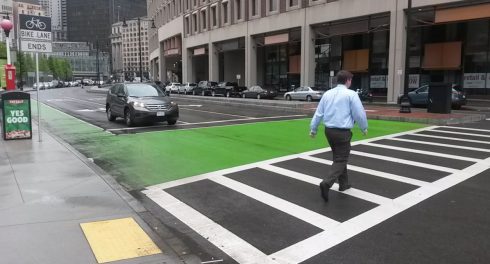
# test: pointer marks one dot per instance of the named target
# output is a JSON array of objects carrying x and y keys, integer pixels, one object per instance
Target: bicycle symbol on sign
[{"x": 35, "y": 23}]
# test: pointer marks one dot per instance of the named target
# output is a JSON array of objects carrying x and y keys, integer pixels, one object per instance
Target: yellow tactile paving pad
[{"x": 118, "y": 239}]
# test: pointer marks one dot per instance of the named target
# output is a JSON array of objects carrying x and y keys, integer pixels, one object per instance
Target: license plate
[{"x": 160, "y": 113}]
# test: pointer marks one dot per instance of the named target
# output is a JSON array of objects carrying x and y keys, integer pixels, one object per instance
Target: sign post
[{"x": 36, "y": 37}]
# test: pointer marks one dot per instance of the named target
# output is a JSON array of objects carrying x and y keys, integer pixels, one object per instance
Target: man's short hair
[{"x": 344, "y": 76}]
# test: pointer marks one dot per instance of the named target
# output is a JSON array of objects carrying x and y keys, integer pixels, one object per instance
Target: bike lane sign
[{"x": 35, "y": 33}]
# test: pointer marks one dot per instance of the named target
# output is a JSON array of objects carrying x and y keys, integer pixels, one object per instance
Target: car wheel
[
  {"x": 228, "y": 94},
  {"x": 244, "y": 96},
  {"x": 172, "y": 122},
  {"x": 308, "y": 98},
  {"x": 110, "y": 116},
  {"x": 258, "y": 97},
  {"x": 128, "y": 118},
  {"x": 213, "y": 93},
  {"x": 288, "y": 97}
]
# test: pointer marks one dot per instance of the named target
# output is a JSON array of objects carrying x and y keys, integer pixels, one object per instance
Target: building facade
[
  {"x": 56, "y": 9},
  {"x": 127, "y": 46},
  {"x": 280, "y": 44},
  {"x": 84, "y": 60},
  {"x": 91, "y": 20}
]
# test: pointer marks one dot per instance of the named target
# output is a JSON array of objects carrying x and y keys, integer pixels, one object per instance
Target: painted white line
[
  {"x": 461, "y": 133},
  {"x": 488, "y": 119},
  {"x": 292, "y": 209},
  {"x": 231, "y": 244},
  {"x": 403, "y": 161},
  {"x": 215, "y": 113},
  {"x": 210, "y": 122},
  {"x": 83, "y": 101},
  {"x": 467, "y": 128},
  {"x": 439, "y": 144},
  {"x": 437, "y": 154},
  {"x": 372, "y": 172},
  {"x": 377, "y": 199},
  {"x": 453, "y": 138},
  {"x": 319, "y": 243}
]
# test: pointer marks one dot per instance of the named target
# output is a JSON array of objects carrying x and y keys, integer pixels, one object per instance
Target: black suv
[
  {"x": 140, "y": 102},
  {"x": 227, "y": 89},
  {"x": 204, "y": 88}
]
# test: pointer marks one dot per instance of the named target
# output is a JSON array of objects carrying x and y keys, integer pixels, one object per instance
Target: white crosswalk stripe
[{"x": 333, "y": 232}]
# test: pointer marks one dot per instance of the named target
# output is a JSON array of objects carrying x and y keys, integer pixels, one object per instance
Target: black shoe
[
  {"x": 344, "y": 187},
  {"x": 324, "y": 189}
]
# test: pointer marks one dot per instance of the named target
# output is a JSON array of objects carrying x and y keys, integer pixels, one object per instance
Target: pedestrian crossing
[{"x": 272, "y": 212}]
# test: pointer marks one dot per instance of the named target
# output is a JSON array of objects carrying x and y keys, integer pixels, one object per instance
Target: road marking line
[
  {"x": 314, "y": 245},
  {"x": 216, "y": 113},
  {"x": 437, "y": 154},
  {"x": 467, "y": 128},
  {"x": 374, "y": 198},
  {"x": 210, "y": 122},
  {"x": 83, "y": 101},
  {"x": 280, "y": 204},
  {"x": 403, "y": 161},
  {"x": 372, "y": 172},
  {"x": 460, "y": 133},
  {"x": 488, "y": 119},
  {"x": 439, "y": 144},
  {"x": 231, "y": 244},
  {"x": 453, "y": 138}
]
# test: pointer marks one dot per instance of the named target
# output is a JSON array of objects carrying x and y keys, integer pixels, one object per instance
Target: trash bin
[
  {"x": 16, "y": 115},
  {"x": 439, "y": 101}
]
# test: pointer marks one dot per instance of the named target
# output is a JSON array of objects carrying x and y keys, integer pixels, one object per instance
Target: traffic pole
[{"x": 38, "y": 103}]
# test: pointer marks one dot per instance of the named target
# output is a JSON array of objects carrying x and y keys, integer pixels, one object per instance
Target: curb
[{"x": 158, "y": 228}]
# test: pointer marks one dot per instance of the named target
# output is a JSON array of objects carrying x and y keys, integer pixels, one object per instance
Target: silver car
[
  {"x": 304, "y": 93},
  {"x": 187, "y": 88}
]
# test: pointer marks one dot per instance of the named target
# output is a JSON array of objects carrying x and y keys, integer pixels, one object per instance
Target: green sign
[{"x": 17, "y": 119}]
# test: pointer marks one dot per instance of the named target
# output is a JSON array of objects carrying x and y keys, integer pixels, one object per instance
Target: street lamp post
[
  {"x": 404, "y": 100},
  {"x": 139, "y": 42},
  {"x": 7, "y": 26}
]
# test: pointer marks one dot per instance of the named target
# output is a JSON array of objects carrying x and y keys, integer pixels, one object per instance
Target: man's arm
[
  {"x": 318, "y": 116},
  {"x": 359, "y": 113}
]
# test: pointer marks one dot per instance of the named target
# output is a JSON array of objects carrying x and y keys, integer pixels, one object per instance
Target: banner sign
[
  {"x": 474, "y": 80},
  {"x": 17, "y": 119},
  {"x": 378, "y": 81}
]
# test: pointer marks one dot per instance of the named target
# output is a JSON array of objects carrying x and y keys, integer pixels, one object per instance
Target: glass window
[
  {"x": 225, "y": 12},
  {"x": 238, "y": 4},
  {"x": 214, "y": 16},
  {"x": 273, "y": 5},
  {"x": 143, "y": 90}
]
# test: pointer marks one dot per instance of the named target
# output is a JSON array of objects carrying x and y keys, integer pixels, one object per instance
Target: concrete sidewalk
[{"x": 47, "y": 190}]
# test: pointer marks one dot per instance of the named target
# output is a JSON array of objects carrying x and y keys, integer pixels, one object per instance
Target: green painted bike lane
[{"x": 139, "y": 160}]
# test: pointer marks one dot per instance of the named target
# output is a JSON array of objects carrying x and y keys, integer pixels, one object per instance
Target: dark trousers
[{"x": 339, "y": 140}]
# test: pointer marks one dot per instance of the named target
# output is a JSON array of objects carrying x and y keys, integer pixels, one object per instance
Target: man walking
[{"x": 339, "y": 108}]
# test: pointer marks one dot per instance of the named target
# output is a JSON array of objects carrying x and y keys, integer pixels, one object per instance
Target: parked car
[
  {"x": 39, "y": 86},
  {"x": 204, "y": 88},
  {"x": 304, "y": 93},
  {"x": 227, "y": 89},
  {"x": 173, "y": 88},
  {"x": 140, "y": 103},
  {"x": 187, "y": 88},
  {"x": 259, "y": 93},
  {"x": 420, "y": 96}
]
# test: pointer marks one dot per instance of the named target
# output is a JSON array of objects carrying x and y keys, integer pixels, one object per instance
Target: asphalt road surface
[
  {"x": 417, "y": 197},
  {"x": 90, "y": 107}
]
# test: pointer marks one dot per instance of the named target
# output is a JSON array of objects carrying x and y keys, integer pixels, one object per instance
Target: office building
[
  {"x": 91, "y": 20},
  {"x": 56, "y": 9},
  {"x": 279, "y": 43}
]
